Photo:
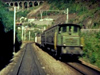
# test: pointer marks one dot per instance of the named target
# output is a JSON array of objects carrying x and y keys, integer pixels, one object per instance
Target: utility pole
[
  {"x": 29, "y": 35},
  {"x": 67, "y": 16},
  {"x": 22, "y": 32},
  {"x": 25, "y": 35},
  {"x": 35, "y": 37},
  {"x": 14, "y": 31},
  {"x": 41, "y": 13}
]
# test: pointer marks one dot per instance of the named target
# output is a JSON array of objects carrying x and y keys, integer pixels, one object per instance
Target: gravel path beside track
[{"x": 53, "y": 66}]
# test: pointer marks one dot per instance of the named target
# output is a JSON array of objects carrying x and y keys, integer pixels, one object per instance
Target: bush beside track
[{"x": 92, "y": 48}]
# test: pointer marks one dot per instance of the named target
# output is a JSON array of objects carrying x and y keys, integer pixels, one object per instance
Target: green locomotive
[{"x": 63, "y": 39}]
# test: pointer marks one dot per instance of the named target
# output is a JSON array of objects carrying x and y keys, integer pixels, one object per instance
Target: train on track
[{"x": 63, "y": 39}]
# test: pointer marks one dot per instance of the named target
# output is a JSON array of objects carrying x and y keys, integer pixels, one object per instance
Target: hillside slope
[
  {"x": 80, "y": 12},
  {"x": 34, "y": 13}
]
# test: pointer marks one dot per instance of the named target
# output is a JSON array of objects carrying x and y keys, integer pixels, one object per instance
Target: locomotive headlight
[
  {"x": 76, "y": 48},
  {"x": 64, "y": 44},
  {"x": 64, "y": 51}
]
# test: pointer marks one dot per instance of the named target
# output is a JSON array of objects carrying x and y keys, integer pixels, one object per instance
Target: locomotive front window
[
  {"x": 64, "y": 29},
  {"x": 69, "y": 29},
  {"x": 75, "y": 29}
]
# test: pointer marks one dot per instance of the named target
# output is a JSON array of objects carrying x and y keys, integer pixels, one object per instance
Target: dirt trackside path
[{"x": 52, "y": 66}]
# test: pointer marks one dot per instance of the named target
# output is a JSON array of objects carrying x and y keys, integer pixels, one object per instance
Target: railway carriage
[{"x": 63, "y": 39}]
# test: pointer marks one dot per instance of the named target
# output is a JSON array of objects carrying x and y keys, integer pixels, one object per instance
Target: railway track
[
  {"x": 83, "y": 69},
  {"x": 28, "y": 64}
]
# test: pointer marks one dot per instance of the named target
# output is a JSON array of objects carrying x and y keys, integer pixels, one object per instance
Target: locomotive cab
[
  {"x": 68, "y": 35},
  {"x": 69, "y": 39}
]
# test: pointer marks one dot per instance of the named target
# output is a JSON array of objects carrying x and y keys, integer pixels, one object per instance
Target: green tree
[{"x": 6, "y": 17}]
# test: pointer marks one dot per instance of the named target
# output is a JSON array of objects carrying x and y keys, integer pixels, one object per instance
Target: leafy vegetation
[
  {"x": 24, "y": 12},
  {"x": 92, "y": 48},
  {"x": 7, "y": 21},
  {"x": 37, "y": 30},
  {"x": 6, "y": 17}
]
